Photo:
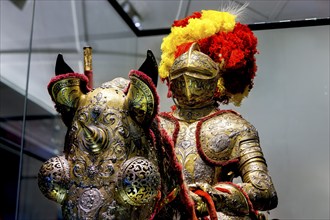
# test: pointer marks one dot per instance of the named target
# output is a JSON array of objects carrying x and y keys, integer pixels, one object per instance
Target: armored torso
[
  {"x": 206, "y": 144},
  {"x": 215, "y": 146}
]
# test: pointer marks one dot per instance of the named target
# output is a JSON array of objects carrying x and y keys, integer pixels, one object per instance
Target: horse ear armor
[
  {"x": 142, "y": 97},
  {"x": 66, "y": 88}
]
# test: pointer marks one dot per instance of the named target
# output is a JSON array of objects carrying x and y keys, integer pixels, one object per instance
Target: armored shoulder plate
[{"x": 220, "y": 136}]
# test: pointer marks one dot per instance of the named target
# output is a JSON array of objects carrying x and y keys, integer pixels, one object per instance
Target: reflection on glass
[{"x": 59, "y": 27}]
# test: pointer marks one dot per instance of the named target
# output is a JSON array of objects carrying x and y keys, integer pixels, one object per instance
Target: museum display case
[
  {"x": 289, "y": 104},
  {"x": 33, "y": 33}
]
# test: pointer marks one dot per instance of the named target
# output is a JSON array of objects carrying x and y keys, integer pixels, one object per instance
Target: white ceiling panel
[
  {"x": 296, "y": 10},
  {"x": 67, "y": 26}
]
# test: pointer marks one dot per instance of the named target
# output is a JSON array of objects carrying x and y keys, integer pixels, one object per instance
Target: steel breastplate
[{"x": 207, "y": 143}]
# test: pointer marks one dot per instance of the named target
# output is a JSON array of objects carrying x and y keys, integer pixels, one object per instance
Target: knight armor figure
[{"x": 214, "y": 146}]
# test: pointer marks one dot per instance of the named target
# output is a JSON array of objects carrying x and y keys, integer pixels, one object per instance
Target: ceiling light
[{"x": 132, "y": 13}]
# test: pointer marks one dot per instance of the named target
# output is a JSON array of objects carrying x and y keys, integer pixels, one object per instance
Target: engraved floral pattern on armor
[
  {"x": 139, "y": 181},
  {"x": 67, "y": 91},
  {"x": 218, "y": 136},
  {"x": 96, "y": 131},
  {"x": 141, "y": 103},
  {"x": 186, "y": 150},
  {"x": 101, "y": 137},
  {"x": 53, "y": 178},
  {"x": 79, "y": 168},
  {"x": 203, "y": 172},
  {"x": 225, "y": 136},
  {"x": 219, "y": 142},
  {"x": 68, "y": 210},
  {"x": 260, "y": 180},
  {"x": 53, "y": 169},
  {"x": 90, "y": 199},
  {"x": 110, "y": 212},
  {"x": 197, "y": 61},
  {"x": 118, "y": 82}
]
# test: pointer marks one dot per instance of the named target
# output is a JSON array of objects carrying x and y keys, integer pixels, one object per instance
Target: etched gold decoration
[
  {"x": 56, "y": 171},
  {"x": 193, "y": 79},
  {"x": 215, "y": 146},
  {"x": 110, "y": 165},
  {"x": 141, "y": 100},
  {"x": 67, "y": 92},
  {"x": 88, "y": 66},
  {"x": 195, "y": 63},
  {"x": 138, "y": 181}
]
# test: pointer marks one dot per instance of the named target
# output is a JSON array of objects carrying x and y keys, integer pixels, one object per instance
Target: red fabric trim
[
  {"x": 153, "y": 137},
  {"x": 185, "y": 198},
  {"x": 168, "y": 142},
  {"x": 255, "y": 212},
  {"x": 159, "y": 195},
  {"x": 174, "y": 120},
  {"x": 219, "y": 112},
  {"x": 169, "y": 198},
  {"x": 173, "y": 108},
  {"x": 198, "y": 144},
  {"x": 125, "y": 90},
  {"x": 223, "y": 190},
  {"x": 210, "y": 204},
  {"x": 84, "y": 88},
  {"x": 89, "y": 75},
  {"x": 169, "y": 92}
]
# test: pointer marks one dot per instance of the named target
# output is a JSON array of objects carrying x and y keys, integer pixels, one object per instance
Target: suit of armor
[{"x": 214, "y": 146}]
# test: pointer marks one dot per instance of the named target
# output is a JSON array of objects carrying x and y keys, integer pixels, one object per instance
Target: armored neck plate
[{"x": 191, "y": 115}]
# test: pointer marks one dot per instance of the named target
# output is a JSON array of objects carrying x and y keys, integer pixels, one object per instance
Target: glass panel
[
  {"x": 289, "y": 104},
  {"x": 15, "y": 29},
  {"x": 65, "y": 27}
]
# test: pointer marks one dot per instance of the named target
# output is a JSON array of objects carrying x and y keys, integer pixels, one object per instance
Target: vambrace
[{"x": 257, "y": 183}]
